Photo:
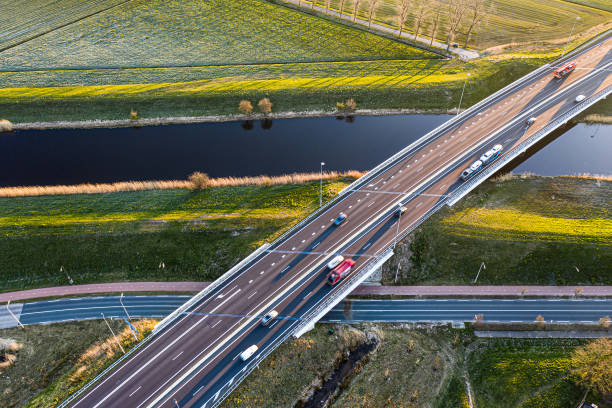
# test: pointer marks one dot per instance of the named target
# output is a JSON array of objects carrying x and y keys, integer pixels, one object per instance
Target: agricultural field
[
  {"x": 527, "y": 230},
  {"x": 147, "y": 34},
  {"x": 197, "y": 234},
  {"x": 507, "y": 21},
  {"x": 22, "y": 20}
]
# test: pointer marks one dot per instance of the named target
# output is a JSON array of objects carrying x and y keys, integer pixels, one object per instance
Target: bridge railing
[{"x": 468, "y": 186}]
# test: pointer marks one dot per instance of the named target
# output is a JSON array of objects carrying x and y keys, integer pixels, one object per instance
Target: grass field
[
  {"x": 511, "y": 21},
  {"x": 198, "y": 235},
  {"x": 549, "y": 231},
  {"x": 49, "y": 354},
  {"x": 424, "y": 84},
  {"x": 513, "y": 373},
  {"x": 197, "y": 33},
  {"x": 22, "y": 20}
]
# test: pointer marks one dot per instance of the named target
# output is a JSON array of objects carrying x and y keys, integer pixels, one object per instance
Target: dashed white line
[
  {"x": 135, "y": 391},
  {"x": 252, "y": 294},
  {"x": 177, "y": 356}
]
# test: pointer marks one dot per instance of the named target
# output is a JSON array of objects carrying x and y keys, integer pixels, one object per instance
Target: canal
[{"x": 72, "y": 156}]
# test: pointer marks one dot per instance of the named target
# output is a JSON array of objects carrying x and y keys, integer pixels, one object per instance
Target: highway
[
  {"x": 347, "y": 311},
  {"x": 192, "y": 362}
]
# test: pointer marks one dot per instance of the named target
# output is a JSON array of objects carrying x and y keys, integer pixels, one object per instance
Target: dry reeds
[
  {"x": 5, "y": 125},
  {"x": 296, "y": 178}
]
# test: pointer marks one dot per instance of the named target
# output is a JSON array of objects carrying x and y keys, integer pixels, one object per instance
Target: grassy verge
[
  {"x": 509, "y": 373},
  {"x": 196, "y": 234},
  {"x": 50, "y": 357},
  {"x": 527, "y": 230},
  {"x": 428, "y": 84}
]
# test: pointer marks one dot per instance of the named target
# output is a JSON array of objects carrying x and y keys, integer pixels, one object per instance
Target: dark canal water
[{"x": 228, "y": 149}]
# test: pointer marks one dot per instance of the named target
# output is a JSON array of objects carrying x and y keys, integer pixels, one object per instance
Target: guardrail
[
  {"x": 308, "y": 321},
  {"x": 459, "y": 193}
]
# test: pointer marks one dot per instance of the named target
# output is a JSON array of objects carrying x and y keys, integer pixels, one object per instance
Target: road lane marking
[
  {"x": 252, "y": 294},
  {"x": 135, "y": 391},
  {"x": 177, "y": 356}
]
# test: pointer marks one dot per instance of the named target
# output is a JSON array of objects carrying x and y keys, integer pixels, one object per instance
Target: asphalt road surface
[
  {"x": 193, "y": 361},
  {"x": 355, "y": 310}
]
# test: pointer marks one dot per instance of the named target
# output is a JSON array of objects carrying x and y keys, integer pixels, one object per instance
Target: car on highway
[
  {"x": 491, "y": 154},
  {"x": 340, "y": 271},
  {"x": 341, "y": 218},
  {"x": 335, "y": 261},
  {"x": 269, "y": 317},
  {"x": 399, "y": 211},
  {"x": 472, "y": 170},
  {"x": 246, "y": 354},
  {"x": 531, "y": 121},
  {"x": 580, "y": 98}
]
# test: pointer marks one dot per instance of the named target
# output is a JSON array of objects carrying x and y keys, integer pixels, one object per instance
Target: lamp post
[
  {"x": 8, "y": 307},
  {"x": 122, "y": 305},
  {"x": 461, "y": 99},
  {"x": 570, "y": 36},
  {"x": 482, "y": 266},
  {"x": 399, "y": 208},
  {"x": 321, "y": 185},
  {"x": 113, "y": 333}
]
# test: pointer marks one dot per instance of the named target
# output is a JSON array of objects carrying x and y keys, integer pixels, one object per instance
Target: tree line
[{"x": 430, "y": 18}]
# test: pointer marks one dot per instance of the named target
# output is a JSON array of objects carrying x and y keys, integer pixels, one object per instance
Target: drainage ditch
[{"x": 341, "y": 377}]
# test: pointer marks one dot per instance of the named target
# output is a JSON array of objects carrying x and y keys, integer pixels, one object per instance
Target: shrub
[
  {"x": 133, "y": 114},
  {"x": 5, "y": 125},
  {"x": 265, "y": 106},
  {"x": 540, "y": 321},
  {"x": 199, "y": 180},
  {"x": 340, "y": 106},
  {"x": 245, "y": 107},
  {"x": 604, "y": 321}
]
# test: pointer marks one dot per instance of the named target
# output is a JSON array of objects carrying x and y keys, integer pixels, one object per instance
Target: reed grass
[{"x": 105, "y": 188}]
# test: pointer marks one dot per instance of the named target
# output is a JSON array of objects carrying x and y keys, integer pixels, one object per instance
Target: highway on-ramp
[{"x": 193, "y": 361}]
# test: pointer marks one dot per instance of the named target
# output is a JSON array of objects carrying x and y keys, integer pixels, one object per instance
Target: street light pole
[
  {"x": 398, "y": 224},
  {"x": 482, "y": 266},
  {"x": 122, "y": 305},
  {"x": 113, "y": 333},
  {"x": 321, "y": 185},
  {"x": 12, "y": 314},
  {"x": 570, "y": 36},
  {"x": 461, "y": 99}
]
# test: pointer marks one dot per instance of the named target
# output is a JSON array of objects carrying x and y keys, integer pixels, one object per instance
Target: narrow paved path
[{"x": 363, "y": 290}]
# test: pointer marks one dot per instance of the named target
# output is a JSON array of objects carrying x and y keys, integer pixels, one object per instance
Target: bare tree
[
  {"x": 327, "y": 4},
  {"x": 477, "y": 12},
  {"x": 313, "y": 3},
  {"x": 341, "y": 10},
  {"x": 371, "y": 11},
  {"x": 355, "y": 8},
  {"x": 456, "y": 11},
  {"x": 403, "y": 8},
  {"x": 421, "y": 9},
  {"x": 435, "y": 20}
]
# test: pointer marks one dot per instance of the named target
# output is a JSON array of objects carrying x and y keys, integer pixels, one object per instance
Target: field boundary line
[{"x": 62, "y": 26}]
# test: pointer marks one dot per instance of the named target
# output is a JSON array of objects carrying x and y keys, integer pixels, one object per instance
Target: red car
[{"x": 340, "y": 271}]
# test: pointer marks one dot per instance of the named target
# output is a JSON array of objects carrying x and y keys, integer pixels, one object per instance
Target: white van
[
  {"x": 246, "y": 354},
  {"x": 335, "y": 261}
]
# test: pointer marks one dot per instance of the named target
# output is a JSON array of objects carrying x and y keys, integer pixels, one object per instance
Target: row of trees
[
  {"x": 431, "y": 18},
  {"x": 458, "y": 15}
]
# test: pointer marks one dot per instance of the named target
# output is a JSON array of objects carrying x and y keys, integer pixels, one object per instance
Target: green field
[
  {"x": 510, "y": 21},
  {"x": 536, "y": 230},
  {"x": 509, "y": 373},
  {"x": 424, "y": 84},
  {"x": 144, "y": 34},
  {"x": 22, "y": 20},
  {"x": 198, "y": 235}
]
